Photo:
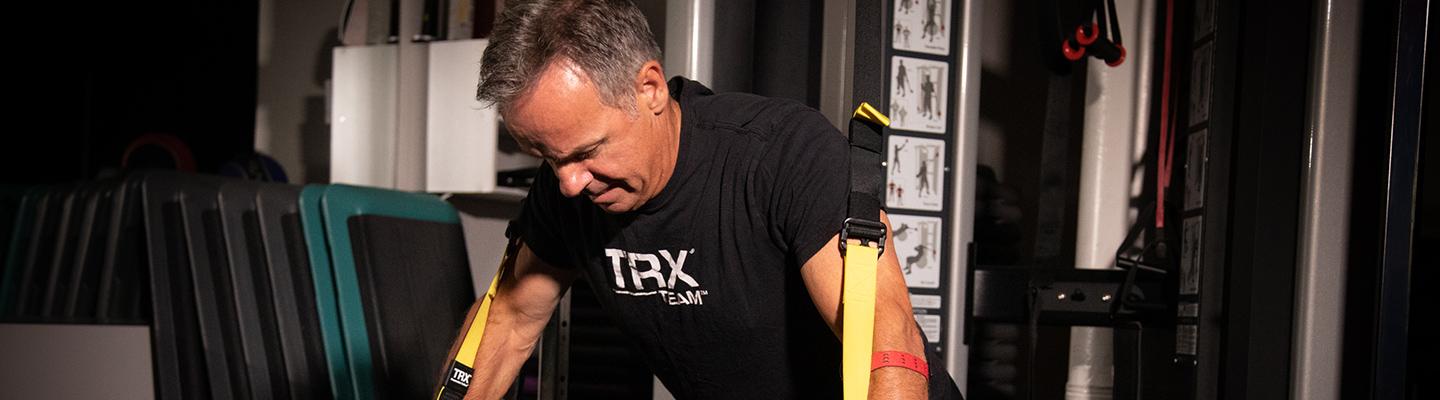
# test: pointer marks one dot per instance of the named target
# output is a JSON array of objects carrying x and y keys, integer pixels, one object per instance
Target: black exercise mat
[
  {"x": 250, "y": 281},
  {"x": 124, "y": 284},
  {"x": 403, "y": 284},
  {"x": 81, "y": 283},
  {"x": 74, "y": 208},
  {"x": 11, "y": 197},
  {"x": 293, "y": 291},
  {"x": 416, "y": 285},
  {"x": 210, "y": 271},
  {"x": 16, "y": 246},
  {"x": 189, "y": 346},
  {"x": 34, "y": 271}
]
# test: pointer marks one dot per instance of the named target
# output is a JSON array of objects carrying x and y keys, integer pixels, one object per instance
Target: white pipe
[
  {"x": 1115, "y": 114},
  {"x": 837, "y": 55},
  {"x": 1325, "y": 204},
  {"x": 962, "y": 203},
  {"x": 689, "y": 52},
  {"x": 690, "y": 39},
  {"x": 413, "y": 72}
]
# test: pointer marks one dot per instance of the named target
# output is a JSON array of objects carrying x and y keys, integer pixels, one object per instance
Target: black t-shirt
[{"x": 705, "y": 277}]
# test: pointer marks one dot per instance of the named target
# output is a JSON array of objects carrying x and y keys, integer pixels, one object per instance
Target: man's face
[{"x": 604, "y": 153}]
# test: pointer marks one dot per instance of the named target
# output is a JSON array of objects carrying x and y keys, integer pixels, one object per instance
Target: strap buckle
[{"x": 865, "y": 230}]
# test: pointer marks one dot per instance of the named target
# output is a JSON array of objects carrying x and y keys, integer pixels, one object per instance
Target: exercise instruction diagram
[
  {"x": 917, "y": 242},
  {"x": 915, "y": 168},
  {"x": 920, "y": 26},
  {"x": 918, "y": 94}
]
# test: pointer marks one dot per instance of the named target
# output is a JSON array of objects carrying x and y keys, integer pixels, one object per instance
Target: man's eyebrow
[{"x": 581, "y": 151}]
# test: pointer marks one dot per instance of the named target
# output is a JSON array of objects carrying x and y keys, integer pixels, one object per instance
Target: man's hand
[{"x": 894, "y": 322}]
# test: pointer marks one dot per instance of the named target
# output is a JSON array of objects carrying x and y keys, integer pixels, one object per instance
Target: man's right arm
[{"x": 523, "y": 304}]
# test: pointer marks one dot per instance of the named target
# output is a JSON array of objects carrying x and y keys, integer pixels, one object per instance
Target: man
[{"x": 707, "y": 223}]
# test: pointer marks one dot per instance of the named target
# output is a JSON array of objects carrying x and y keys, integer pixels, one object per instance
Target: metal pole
[
  {"x": 689, "y": 52},
  {"x": 1325, "y": 202},
  {"x": 1117, "y": 103},
  {"x": 962, "y": 203},
  {"x": 413, "y": 73},
  {"x": 837, "y": 55},
  {"x": 690, "y": 40}
]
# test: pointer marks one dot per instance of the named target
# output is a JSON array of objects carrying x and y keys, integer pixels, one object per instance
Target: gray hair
[{"x": 608, "y": 39}]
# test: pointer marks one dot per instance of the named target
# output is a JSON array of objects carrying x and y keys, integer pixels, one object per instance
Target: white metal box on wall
[
  {"x": 463, "y": 152},
  {"x": 363, "y": 115}
]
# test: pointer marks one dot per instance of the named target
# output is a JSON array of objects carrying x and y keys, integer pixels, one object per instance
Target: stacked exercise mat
[{"x": 251, "y": 290}]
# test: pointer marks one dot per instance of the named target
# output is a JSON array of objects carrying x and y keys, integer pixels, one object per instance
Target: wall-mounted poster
[
  {"x": 917, "y": 245},
  {"x": 1202, "y": 70},
  {"x": 914, "y": 169},
  {"x": 1190, "y": 261},
  {"x": 931, "y": 325},
  {"x": 918, "y": 94},
  {"x": 1195, "y": 171},
  {"x": 921, "y": 26}
]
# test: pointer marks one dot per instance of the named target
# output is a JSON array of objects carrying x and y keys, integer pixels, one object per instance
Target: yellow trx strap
[
  {"x": 858, "y": 328},
  {"x": 862, "y": 240},
  {"x": 462, "y": 354}
]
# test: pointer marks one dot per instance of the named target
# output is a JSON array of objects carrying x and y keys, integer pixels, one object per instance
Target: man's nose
[{"x": 574, "y": 177}]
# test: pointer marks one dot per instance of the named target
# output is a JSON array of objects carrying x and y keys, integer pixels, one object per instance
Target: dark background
[{"x": 88, "y": 77}]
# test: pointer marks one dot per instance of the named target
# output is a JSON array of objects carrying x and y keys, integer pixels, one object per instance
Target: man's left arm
[{"x": 895, "y": 328}]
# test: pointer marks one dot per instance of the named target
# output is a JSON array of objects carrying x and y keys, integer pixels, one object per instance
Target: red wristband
[{"x": 909, "y": 361}]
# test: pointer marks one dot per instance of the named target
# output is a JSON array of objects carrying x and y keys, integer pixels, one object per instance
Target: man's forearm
[
  {"x": 508, "y": 341},
  {"x": 895, "y": 331}
]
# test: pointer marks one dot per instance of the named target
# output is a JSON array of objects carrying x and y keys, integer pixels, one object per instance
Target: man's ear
[{"x": 653, "y": 93}]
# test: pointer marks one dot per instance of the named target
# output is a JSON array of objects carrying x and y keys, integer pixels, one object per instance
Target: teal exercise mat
[
  {"x": 123, "y": 297},
  {"x": 250, "y": 290},
  {"x": 191, "y": 330},
  {"x": 318, "y": 249},
  {"x": 292, "y": 291},
  {"x": 402, "y": 282},
  {"x": 21, "y": 232}
]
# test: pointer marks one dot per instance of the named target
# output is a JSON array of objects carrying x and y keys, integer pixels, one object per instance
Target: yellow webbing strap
[
  {"x": 858, "y": 325},
  {"x": 462, "y": 359},
  {"x": 857, "y": 293}
]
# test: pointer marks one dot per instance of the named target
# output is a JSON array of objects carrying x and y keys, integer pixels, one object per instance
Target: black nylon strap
[
  {"x": 869, "y": 66},
  {"x": 867, "y": 140},
  {"x": 867, "y": 180}
]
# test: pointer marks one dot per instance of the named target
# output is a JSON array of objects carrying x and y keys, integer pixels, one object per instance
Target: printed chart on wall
[
  {"x": 1195, "y": 171},
  {"x": 918, "y": 97},
  {"x": 920, "y": 26},
  {"x": 931, "y": 325},
  {"x": 1190, "y": 262},
  {"x": 917, "y": 244},
  {"x": 917, "y": 100},
  {"x": 915, "y": 167}
]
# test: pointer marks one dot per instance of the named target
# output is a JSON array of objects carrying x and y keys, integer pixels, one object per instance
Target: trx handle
[
  {"x": 862, "y": 241},
  {"x": 456, "y": 378}
]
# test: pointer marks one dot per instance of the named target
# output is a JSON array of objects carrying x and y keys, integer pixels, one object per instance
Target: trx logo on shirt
[{"x": 643, "y": 274}]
